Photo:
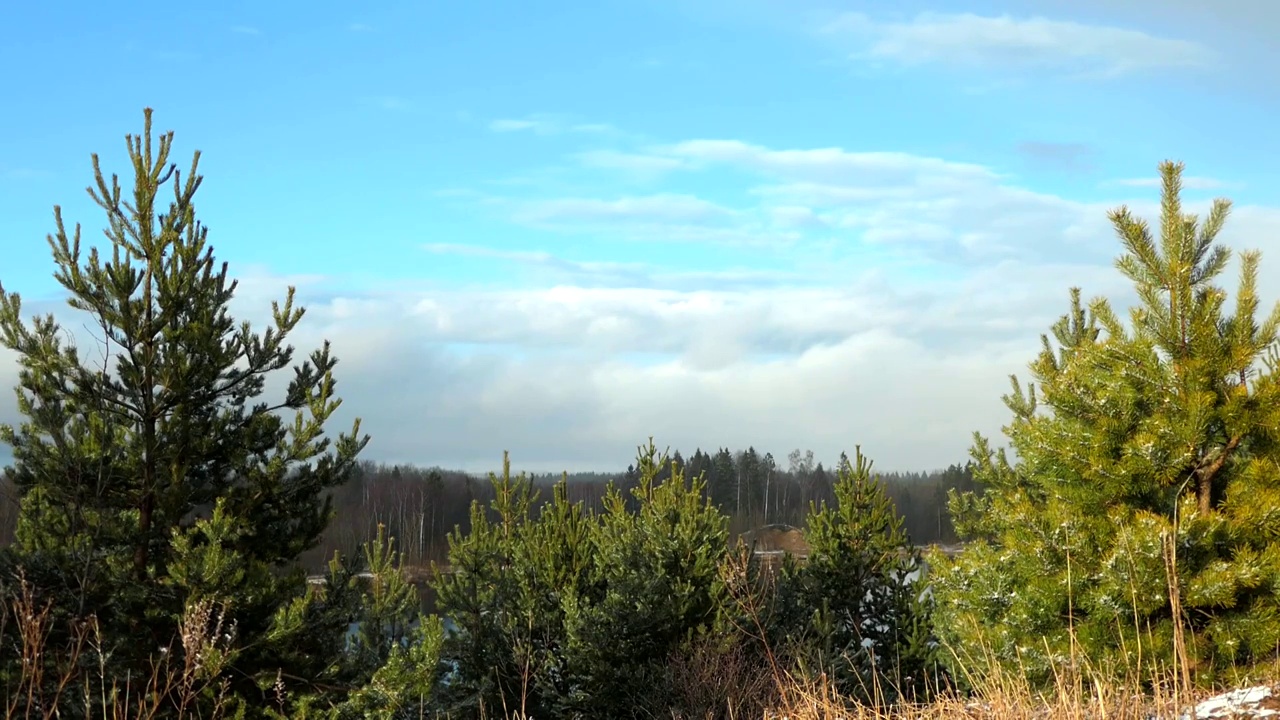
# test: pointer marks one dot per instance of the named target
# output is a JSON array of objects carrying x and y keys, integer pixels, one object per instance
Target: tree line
[{"x": 420, "y": 506}]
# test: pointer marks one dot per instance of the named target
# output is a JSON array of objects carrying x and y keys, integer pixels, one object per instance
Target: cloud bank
[{"x": 909, "y": 289}]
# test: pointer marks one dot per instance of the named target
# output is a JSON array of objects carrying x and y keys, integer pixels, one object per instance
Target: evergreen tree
[
  {"x": 856, "y": 609},
  {"x": 480, "y": 593},
  {"x": 382, "y": 662},
  {"x": 654, "y": 586},
  {"x": 677, "y": 461},
  {"x": 749, "y": 484},
  {"x": 768, "y": 467},
  {"x": 700, "y": 468},
  {"x": 118, "y": 461},
  {"x": 820, "y": 484},
  {"x": 552, "y": 567},
  {"x": 723, "y": 480},
  {"x": 574, "y": 614},
  {"x": 1143, "y": 508}
]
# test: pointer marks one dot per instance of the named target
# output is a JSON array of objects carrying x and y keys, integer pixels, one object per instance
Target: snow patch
[{"x": 1242, "y": 704}]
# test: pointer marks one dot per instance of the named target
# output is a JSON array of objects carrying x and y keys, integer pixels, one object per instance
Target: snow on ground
[{"x": 1243, "y": 704}]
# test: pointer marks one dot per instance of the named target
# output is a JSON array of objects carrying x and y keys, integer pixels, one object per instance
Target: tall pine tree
[
  {"x": 119, "y": 456},
  {"x": 1143, "y": 508}
]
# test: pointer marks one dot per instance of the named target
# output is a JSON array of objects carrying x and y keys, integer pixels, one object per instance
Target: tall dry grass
[
  {"x": 711, "y": 682},
  {"x": 74, "y": 681},
  {"x": 1139, "y": 691}
]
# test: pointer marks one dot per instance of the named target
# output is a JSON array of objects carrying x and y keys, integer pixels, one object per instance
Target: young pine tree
[
  {"x": 480, "y": 595},
  {"x": 552, "y": 562},
  {"x": 119, "y": 456},
  {"x": 387, "y": 665},
  {"x": 653, "y": 588},
  {"x": 857, "y": 608},
  {"x": 1143, "y": 509}
]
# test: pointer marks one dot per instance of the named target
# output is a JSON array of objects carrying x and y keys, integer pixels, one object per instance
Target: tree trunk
[
  {"x": 1206, "y": 473},
  {"x": 145, "y": 512}
]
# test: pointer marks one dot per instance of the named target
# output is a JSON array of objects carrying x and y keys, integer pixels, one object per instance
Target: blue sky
[{"x": 560, "y": 227}]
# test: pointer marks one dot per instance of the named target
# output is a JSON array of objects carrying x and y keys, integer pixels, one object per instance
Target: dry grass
[
  {"x": 1010, "y": 699},
  {"x": 57, "y": 682},
  {"x": 709, "y": 683},
  {"x": 998, "y": 694},
  {"x": 713, "y": 682},
  {"x": 815, "y": 700}
]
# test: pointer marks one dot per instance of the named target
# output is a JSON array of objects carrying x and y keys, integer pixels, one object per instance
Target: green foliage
[
  {"x": 655, "y": 588},
  {"x": 575, "y": 613},
  {"x": 1156, "y": 461},
  {"x": 551, "y": 566},
  {"x": 857, "y": 609},
  {"x": 479, "y": 594},
  {"x": 388, "y": 610},
  {"x": 121, "y": 459},
  {"x": 387, "y": 664},
  {"x": 401, "y": 688}
]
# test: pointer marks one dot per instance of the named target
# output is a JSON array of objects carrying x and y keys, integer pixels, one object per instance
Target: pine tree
[
  {"x": 722, "y": 481},
  {"x": 856, "y": 609},
  {"x": 552, "y": 567},
  {"x": 119, "y": 459},
  {"x": 700, "y": 467},
  {"x": 654, "y": 585},
  {"x": 380, "y": 653},
  {"x": 507, "y": 591},
  {"x": 1144, "y": 506},
  {"x": 573, "y": 613},
  {"x": 480, "y": 595}
]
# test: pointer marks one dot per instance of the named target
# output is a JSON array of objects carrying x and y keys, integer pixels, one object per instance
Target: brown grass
[
  {"x": 52, "y": 676},
  {"x": 710, "y": 683}
]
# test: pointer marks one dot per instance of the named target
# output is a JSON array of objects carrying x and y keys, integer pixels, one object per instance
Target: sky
[{"x": 559, "y": 228}]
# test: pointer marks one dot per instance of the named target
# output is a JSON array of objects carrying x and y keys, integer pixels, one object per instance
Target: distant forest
[{"x": 420, "y": 506}]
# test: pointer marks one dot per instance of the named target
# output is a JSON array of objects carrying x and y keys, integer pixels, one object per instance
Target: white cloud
[
  {"x": 575, "y": 376},
  {"x": 907, "y": 358},
  {"x": 596, "y": 128},
  {"x": 546, "y": 124},
  {"x": 662, "y": 207},
  {"x": 485, "y": 252},
  {"x": 1230, "y": 25},
  {"x": 508, "y": 125},
  {"x": 570, "y": 377},
  {"x": 662, "y": 218},
  {"x": 245, "y": 30},
  {"x": 825, "y": 164},
  {"x": 883, "y": 196},
  {"x": 637, "y": 165},
  {"x": 927, "y": 206},
  {"x": 796, "y": 216},
  {"x": 906, "y": 353},
  {"x": 457, "y": 377},
  {"x": 621, "y": 274},
  {"x": 1005, "y": 43},
  {"x": 832, "y": 193}
]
